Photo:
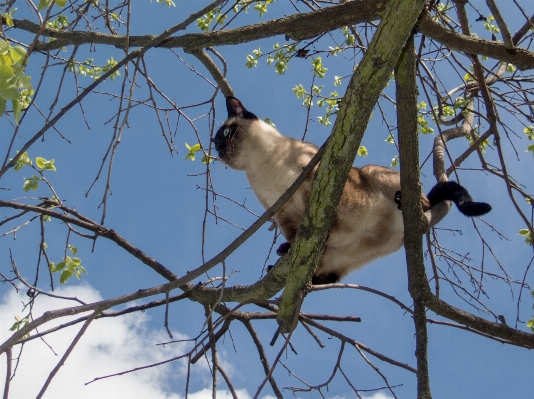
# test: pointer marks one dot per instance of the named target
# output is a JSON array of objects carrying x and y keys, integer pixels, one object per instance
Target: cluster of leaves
[
  {"x": 530, "y": 323},
  {"x": 60, "y": 23},
  {"x": 421, "y": 120},
  {"x": 488, "y": 24},
  {"x": 528, "y": 236},
  {"x": 88, "y": 69},
  {"x": 204, "y": 22},
  {"x": 252, "y": 59},
  {"x": 68, "y": 267},
  {"x": 526, "y": 232},
  {"x": 318, "y": 68},
  {"x": 331, "y": 102},
  {"x": 261, "y": 6},
  {"x": 46, "y": 3},
  {"x": 529, "y": 131},
  {"x": 19, "y": 323},
  {"x": 15, "y": 85},
  {"x": 473, "y": 136},
  {"x": 43, "y": 165},
  {"x": 280, "y": 57},
  {"x": 168, "y": 3},
  {"x": 441, "y": 13},
  {"x": 350, "y": 40},
  {"x": 192, "y": 150},
  {"x": 282, "y": 54}
]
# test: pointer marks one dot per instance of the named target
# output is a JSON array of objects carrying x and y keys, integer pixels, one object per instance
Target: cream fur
[{"x": 369, "y": 224}]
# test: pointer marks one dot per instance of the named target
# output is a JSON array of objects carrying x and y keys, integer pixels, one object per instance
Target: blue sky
[{"x": 157, "y": 206}]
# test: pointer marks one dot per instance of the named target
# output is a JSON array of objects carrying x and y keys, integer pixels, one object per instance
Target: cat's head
[{"x": 233, "y": 131}]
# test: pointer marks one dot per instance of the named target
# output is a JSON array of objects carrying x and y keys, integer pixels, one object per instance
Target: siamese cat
[{"x": 369, "y": 221}]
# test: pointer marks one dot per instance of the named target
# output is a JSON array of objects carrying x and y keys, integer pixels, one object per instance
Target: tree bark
[{"x": 412, "y": 212}]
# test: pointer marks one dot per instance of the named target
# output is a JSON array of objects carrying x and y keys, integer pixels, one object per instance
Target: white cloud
[
  {"x": 108, "y": 346},
  {"x": 377, "y": 395},
  {"x": 224, "y": 394}
]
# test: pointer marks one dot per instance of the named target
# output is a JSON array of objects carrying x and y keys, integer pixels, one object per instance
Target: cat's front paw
[
  {"x": 283, "y": 249},
  {"x": 397, "y": 199}
]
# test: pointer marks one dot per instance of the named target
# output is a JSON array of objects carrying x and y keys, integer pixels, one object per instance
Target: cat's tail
[{"x": 452, "y": 191}]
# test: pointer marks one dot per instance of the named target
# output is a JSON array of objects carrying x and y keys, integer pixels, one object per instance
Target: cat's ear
[
  {"x": 234, "y": 107},
  {"x": 237, "y": 110}
]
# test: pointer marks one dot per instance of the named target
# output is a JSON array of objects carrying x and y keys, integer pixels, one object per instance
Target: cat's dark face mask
[
  {"x": 227, "y": 136},
  {"x": 225, "y": 139}
]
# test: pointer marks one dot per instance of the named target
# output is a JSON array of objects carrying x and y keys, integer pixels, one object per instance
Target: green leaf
[
  {"x": 31, "y": 183},
  {"x": 6, "y": 73},
  {"x": 58, "y": 267},
  {"x": 529, "y": 131},
  {"x": 44, "y": 4},
  {"x": 16, "y": 110},
  {"x": 269, "y": 121},
  {"x": 4, "y": 47},
  {"x": 9, "y": 92},
  {"x": 24, "y": 159},
  {"x": 73, "y": 249},
  {"x": 40, "y": 162},
  {"x": 9, "y": 19},
  {"x": 3, "y": 104},
  {"x": 362, "y": 151},
  {"x": 17, "y": 54},
  {"x": 192, "y": 150},
  {"x": 45, "y": 164},
  {"x": 524, "y": 232},
  {"x": 61, "y": 3},
  {"x": 65, "y": 275}
]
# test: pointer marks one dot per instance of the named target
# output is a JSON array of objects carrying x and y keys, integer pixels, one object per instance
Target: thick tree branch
[
  {"x": 523, "y": 59},
  {"x": 214, "y": 70},
  {"x": 295, "y": 27},
  {"x": 505, "y": 32}
]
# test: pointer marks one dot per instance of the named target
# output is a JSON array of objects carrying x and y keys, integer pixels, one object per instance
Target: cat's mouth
[{"x": 224, "y": 149}]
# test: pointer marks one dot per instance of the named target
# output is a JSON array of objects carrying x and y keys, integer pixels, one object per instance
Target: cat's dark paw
[
  {"x": 397, "y": 199},
  {"x": 283, "y": 249}
]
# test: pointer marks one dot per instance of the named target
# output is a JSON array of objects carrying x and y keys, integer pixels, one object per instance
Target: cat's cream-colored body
[{"x": 369, "y": 224}]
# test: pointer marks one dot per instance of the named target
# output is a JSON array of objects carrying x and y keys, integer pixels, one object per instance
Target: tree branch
[
  {"x": 297, "y": 27},
  {"x": 412, "y": 211}
]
